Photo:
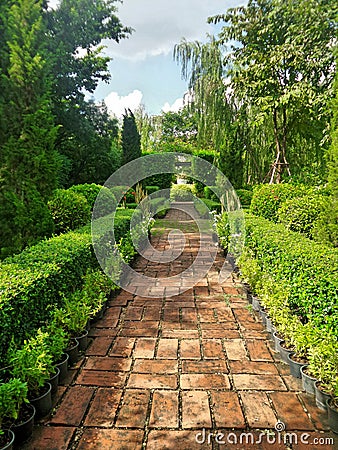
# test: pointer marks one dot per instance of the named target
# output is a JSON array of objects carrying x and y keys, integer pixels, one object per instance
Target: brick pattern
[{"x": 160, "y": 370}]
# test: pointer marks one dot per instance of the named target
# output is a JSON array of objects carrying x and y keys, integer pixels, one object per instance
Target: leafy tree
[
  {"x": 87, "y": 136},
  {"x": 131, "y": 140},
  {"x": 283, "y": 64}
]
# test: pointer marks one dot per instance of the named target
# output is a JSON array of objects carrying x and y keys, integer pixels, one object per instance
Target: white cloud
[
  {"x": 175, "y": 107},
  {"x": 160, "y": 25},
  {"x": 117, "y": 104}
]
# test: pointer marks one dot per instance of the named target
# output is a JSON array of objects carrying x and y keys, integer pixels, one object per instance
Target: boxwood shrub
[
  {"x": 267, "y": 198},
  {"x": 245, "y": 197},
  {"x": 69, "y": 210},
  {"x": 105, "y": 203},
  {"x": 299, "y": 214},
  {"x": 183, "y": 192},
  {"x": 35, "y": 282},
  {"x": 308, "y": 271}
]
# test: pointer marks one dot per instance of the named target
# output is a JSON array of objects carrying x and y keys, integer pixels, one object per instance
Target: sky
[{"x": 142, "y": 68}]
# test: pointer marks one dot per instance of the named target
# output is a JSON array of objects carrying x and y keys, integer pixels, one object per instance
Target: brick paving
[{"x": 190, "y": 371}]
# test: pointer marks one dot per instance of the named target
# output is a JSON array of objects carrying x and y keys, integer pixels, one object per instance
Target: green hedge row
[
  {"x": 35, "y": 282},
  {"x": 307, "y": 270}
]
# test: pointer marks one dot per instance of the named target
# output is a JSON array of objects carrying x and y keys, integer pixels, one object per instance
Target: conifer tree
[{"x": 131, "y": 140}]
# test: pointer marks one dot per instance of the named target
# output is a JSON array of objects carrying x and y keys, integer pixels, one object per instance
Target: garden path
[{"x": 159, "y": 371}]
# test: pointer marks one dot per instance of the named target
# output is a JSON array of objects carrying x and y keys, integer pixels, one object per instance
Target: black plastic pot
[
  {"x": 332, "y": 415},
  {"x": 10, "y": 435},
  {"x": 255, "y": 304},
  {"x": 54, "y": 381},
  {"x": 284, "y": 352},
  {"x": 43, "y": 403},
  {"x": 277, "y": 339},
  {"x": 321, "y": 397},
  {"x": 268, "y": 325},
  {"x": 308, "y": 382},
  {"x": 62, "y": 365},
  {"x": 83, "y": 341},
  {"x": 24, "y": 430},
  {"x": 73, "y": 352},
  {"x": 294, "y": 366}
]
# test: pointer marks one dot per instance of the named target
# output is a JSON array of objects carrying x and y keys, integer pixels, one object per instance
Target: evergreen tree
[
  {"x": 131, "y": 140},
  {"x": 29, "y": 162}
]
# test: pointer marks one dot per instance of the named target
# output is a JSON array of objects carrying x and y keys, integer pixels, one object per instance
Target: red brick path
[{"x": 160, "y": 371}]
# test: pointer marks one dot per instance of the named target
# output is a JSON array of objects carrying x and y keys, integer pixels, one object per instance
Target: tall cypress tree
[
  {"x": 131, "y": 139},
  {"x": 28, "y": 158}
]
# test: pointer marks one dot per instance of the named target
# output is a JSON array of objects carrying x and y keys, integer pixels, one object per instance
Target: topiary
[
  {"x": 89, "y": 191},
  {"x": 245, "y": 197},
  {"x": 183, "y": 192},
  {"x": 69, "y": 210},
  {"x": 267, "y": 198},
  {"x": 299, "y": 214}
]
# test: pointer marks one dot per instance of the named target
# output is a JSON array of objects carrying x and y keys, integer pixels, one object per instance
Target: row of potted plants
[
  {"x": 310, "y": 351},
  {"x": 35, "y": 369}
]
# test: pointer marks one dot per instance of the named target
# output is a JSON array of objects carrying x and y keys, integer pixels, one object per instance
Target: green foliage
[
  {"x": 165, "y": 176},
  {"x": 267, "y": 198},
  {"x": 74, "y": 314},
  {"x": 13, "y": 394},
  {"x": 152, "y": 189},
  {"x": 204, "y": 206},
  {"x": 222, "y": 227},
  {"x": 131, "y": 140},
  {"x": 32, "y": 363},
  {"x": 297, "y": 283},
  {"x": 245, "y": 197},
  {"x": 89, "y": 191},
  {"x": 307, "y": 271},
  {"x": 299, "y": 214},
  {"x": 105, "y": 203},
  {"x": 183, "y": 192},
  {"x": 209, "y": 194},
  {"x": 56, "y": 338},
  {"x": 34, "y": 282},
  {"x": 69, "y": 210}
]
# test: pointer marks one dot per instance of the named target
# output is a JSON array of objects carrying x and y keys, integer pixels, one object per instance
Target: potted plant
[
  {"x": 332, "y": 407},
  {"x": 323, "y": 363},
  {"x": 32, "y": 364},
  {"x": 302, "y": 338},
  {"x": 73, "y": 318},
  {"x": 13, "y": 394},
  {"x": 57, "y": 341},
  {"x": 222, "y": 227}
]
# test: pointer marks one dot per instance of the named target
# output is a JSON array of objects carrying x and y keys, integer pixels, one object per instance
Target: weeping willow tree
[
  {"x": 261, "y": 89},
  {"x": 213, "y": 103}
]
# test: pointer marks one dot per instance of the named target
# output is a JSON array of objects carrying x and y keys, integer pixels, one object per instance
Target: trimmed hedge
[
  {"x": 183, "y": 192},
  {"x": 267, "y": 198},
  {"x": 245, "y": 197},
  {"x": 299, "y": 214},
  {"x": 70, "y": 210},
  {"x": 35, "y": 282},
  {"x": 308, "y": 271},
  {"x": 210, "y": 206}
]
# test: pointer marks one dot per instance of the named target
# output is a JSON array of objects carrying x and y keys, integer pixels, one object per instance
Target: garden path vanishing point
[{"x": 165, "y": 373}]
